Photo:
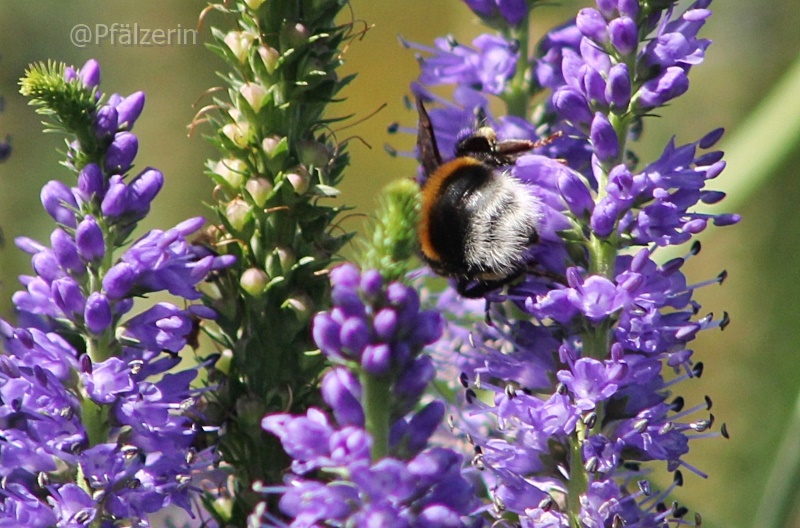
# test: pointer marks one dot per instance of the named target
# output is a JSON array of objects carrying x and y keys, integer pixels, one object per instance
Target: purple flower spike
[
  {"x": 89, "y": 239},
  {"x": 121, "y": 152},
  {"x": 97, "y": 313}
]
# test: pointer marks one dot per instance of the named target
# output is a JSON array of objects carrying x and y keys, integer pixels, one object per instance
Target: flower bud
[
  {"x": 118, "y": 281},
  {"x": 575, "y": 193},
  {"x": 130, "y": 109},
  {"x": 90, "y": 182},
  {"x": 270, "y": 145},
  {"x": 270, "y": 57},
  {"x": 115, "y": 201},
  {"x": 143, "y": 190},
  {"x": 232, "y": 171},
  {"x": 377, "y": 359},
  {"x": 68, "y": 297},
  {"x": 313, "y": 153},
  {"x": 618, "y": 87},
  {"x": 624, "y": 34},
  {"x": 97, "y": 314},
  {"x": 591, "y": 23},
  {"x": 302, "y": 306},
  {"x": 105, "y": 122},
  {"x": 238, "y": 133},
  {"x": 604, "y": 138},
  {"x": 254, "y": 94},
  {"x": 572, "y": 105},
  {"x": 253, "y": 281},
  {"x": 259, "y": 189},
  {"x": 280, "y": 261},
  {"x": 90, "y": 73},
  {"x": 672, "y": 83},
  {"x": 299, "y": 179},
  {"x": 121, "y": 152},
  {"x": 66, "y": 252},
  {"x": 354, "y": 336},
  {"x": 239, "y": 42},
  {"x": 238, "y": 213},
  {"x": 59, "y": 202},
  {"x": 89, "y": 239},
  {"x": 342, "y": 391},
  {"x": 295, "y": 34}
]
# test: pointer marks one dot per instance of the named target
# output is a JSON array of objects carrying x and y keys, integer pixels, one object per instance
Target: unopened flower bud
[
  {"x": 301, "y": 304},
  {"x": 253, "y": 4},
  {"x": 270, "y": 57},
  {"x": 254, "y": 281},
  {"x": 237, "y": 132},
  {"x": 239, "y": 42},
  {"x": 232, "y": 171},
  {"x": 281, "y": 260},
  {"x": 254, "y": 94},
  {"x": 295, "y": 34},
  {"x": 300, "y": 180},
  {"x": 313, "y": 153},
  {"x": 237, "y": 213},
  {"x": 259, "y": 189},
  {"x": 270, "y": 145}
]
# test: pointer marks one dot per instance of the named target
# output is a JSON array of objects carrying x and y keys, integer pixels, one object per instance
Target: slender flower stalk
[
  {"x": 99, "y": 424},
  {"x": 279, "y": 161},
  {"x": 565, "y": 396}
]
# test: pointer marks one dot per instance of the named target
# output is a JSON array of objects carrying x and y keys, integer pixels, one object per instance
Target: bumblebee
[{"x": 477, "y": 221}]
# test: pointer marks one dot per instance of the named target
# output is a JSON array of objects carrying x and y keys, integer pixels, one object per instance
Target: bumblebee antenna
[{"x": 427, "y": 149}]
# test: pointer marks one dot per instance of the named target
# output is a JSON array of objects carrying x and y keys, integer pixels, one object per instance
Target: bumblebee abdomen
[{"x": 448, "y": 202}]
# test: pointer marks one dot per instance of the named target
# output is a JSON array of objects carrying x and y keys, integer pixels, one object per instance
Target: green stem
[
  {"x": 517, "y": 95},
  {"x": 376, "y": 412},
  {"x": 578, "y": 479},
  {"x": 95, "y": 420}
]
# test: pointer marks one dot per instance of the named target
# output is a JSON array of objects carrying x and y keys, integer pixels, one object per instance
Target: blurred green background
[{"x": 752, "y": 369}]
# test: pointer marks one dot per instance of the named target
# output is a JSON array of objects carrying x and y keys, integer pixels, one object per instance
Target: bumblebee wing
[{"x": 427, "y": 149}]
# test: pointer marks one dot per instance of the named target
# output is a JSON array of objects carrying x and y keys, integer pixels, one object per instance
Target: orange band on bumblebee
[{"x": 429, "y": 197}]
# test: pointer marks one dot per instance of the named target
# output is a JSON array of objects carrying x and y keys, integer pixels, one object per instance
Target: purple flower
[
  {"x": 512, "y": 11},
  {"x": 120, "y": 153},
  {"x": 132, "y": 443},
  {"x": 572, "y": 387},
  {"x": 89, "y": 239},
  {"x": 59, "y": 203},
  {"x": 486, "y": 67}
]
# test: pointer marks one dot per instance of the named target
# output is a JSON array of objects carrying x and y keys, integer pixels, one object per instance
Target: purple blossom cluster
[
  {"x": 97, "y": 426},
  {"x": 373, "y": 335},
  {"x": 579, "y": 389}
]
